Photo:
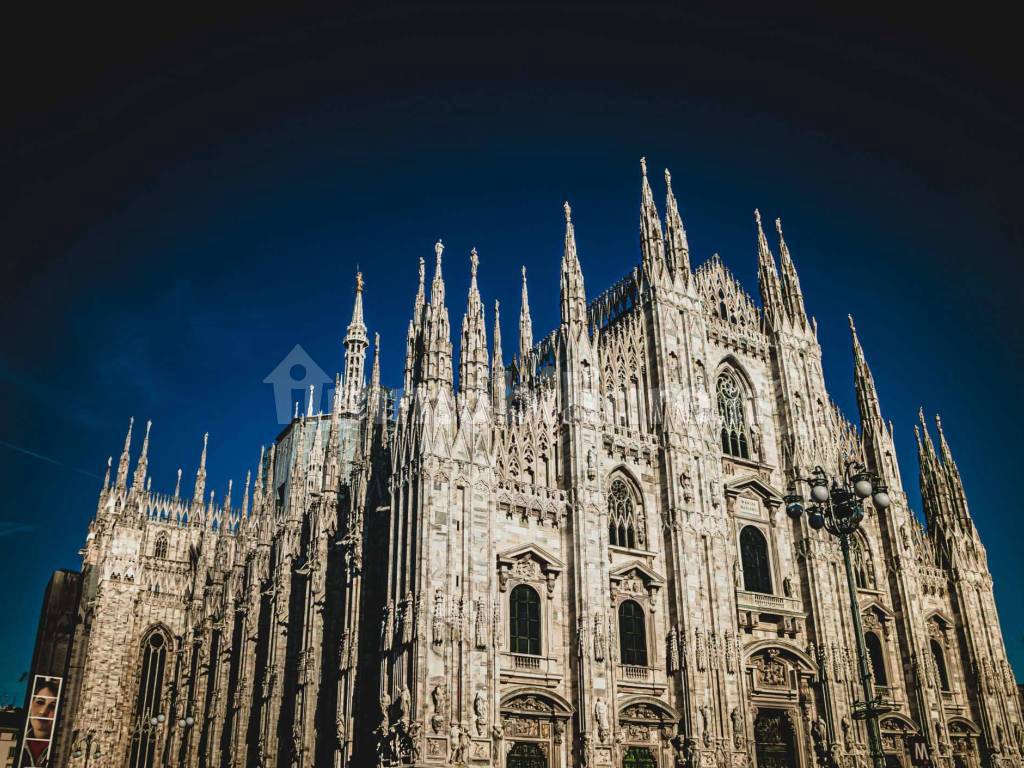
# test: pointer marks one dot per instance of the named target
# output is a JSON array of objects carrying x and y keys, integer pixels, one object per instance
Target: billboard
[{"x": 39, "y": 721}]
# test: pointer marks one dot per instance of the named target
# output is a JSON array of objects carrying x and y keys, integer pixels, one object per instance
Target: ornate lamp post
[
  {"x": 837, "y": 505},
  {"x": 83, "y": 747}
]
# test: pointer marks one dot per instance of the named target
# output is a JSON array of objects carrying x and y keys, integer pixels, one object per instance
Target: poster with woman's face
[{"x": 39, "y": 720}]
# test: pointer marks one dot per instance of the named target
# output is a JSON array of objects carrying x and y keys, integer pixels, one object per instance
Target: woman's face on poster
[{"x": 42, "y": 708}]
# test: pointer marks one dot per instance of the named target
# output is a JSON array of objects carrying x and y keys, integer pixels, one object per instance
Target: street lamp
[
  {"x": 83, "y": 746},
  {"x": 837, "y": 505}
]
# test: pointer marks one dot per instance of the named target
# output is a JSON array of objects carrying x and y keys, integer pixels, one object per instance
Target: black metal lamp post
[
  {"x": 837, "y": 505},
  {"x": 83, "y": 747}
]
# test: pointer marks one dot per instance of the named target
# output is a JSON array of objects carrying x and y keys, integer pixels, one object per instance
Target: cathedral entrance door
[
  {"x": 773, "y": 735},
  {"x": 638, "y": 757},
  {"x": 526, "y": 754}
]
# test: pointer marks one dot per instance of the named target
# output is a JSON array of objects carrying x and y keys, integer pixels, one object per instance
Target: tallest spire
[
  {"x": 525, "y": 327},
  {"x": 122, "y": 466},
  {"x": 652, "y": 247},
  {"x": 791, "y": 293},
  {"x": 437, "y": 341},
  {"x": 573, "y": 294},
  {"x": 473, "y": 354},
  {"x": 768, "y": 276},
  {"x": 677, "y": 252},
  {"x": 356, "y": 343}
]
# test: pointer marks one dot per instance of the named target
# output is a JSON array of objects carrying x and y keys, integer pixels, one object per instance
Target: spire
[
  {"x": 525, "y": 329},
  {"x": 498, "y": 367},
  {"x": 864, "y": 384},
  {"x": 245, "y": 493},
  {"x": 473, "y": 352},
  {"x": 652, "y": 247},
  {"x": 139, "y": 479},
  {"x": 106, "y": 477},
  {"x": 177, "y": 486},
  {"x": 791, "y": 293},
  {"x": 573, "y": 294},
  {"x": 309, "y": 401},
  {"x": 768, "y": 276},
  {"x": 200, "y": 489},
  {"x": 677, "y": 252},
  {"x": 437, "y": 340},
  {"x": 375, "y": 373},
  {"x": 947, "y": 454},
  {"x": 122, "y": 466},
  {"x": 929, "y": 447},
  {"x": 355, "y": 352},
  {"x": 227, "y": 498}
]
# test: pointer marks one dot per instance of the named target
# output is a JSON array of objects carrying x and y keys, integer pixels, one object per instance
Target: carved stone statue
[
  {"x": 737, "y": 728},
  {"x": 601, "y": 718},
  {"x": 437, "y": 623},
  {"x": 440, "y": 698},
  {"x": 599, "y": 639},
  {"x": 480, "y": 710}
]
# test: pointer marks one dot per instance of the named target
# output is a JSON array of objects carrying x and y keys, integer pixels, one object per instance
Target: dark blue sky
[{"x": 185, "y": 199}]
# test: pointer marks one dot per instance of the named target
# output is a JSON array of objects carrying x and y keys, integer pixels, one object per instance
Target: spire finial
[
  {"x": 668, "y": 179},
  {"x": 757, "y": 217},
  {"x": 106, "y": 477},
  {"x": 853, "y": 328},
  {"x": 439, "y": 249},
  {"x": 568, "y": 219},
  {"x": 643, "y": 166},
  {"x": 177, "y": 485},
  {"x": 359, "y": 282},
  {"x": 423, "y": 269},
  {"x": 474, "y": 262}
]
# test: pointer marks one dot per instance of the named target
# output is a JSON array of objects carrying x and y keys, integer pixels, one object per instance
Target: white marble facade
[{"x": 580, "y": 559}]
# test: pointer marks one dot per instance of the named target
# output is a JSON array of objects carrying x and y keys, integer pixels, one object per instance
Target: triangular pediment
[
  {"x": 636, "y": 567},
  {"x": 755, "y": 485},
  {"x": 547, "y": 560}
]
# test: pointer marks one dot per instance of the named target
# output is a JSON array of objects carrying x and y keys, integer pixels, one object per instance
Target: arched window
[
  {"x": 632, "y": 634},
  {"x": 524, "y": 620},
  {"x": 735, "y": 441},
  {"x": 160, "y": 548},
  {"x": 940, "y": 665},
  {"x": 877, "y": 657},
  {"x": 757, "y": 574},
  {"x": 626, "y": 522},
  {"x": 147, "y": 704}
]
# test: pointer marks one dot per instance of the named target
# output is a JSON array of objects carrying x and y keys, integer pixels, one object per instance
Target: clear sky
[{"x": 185, "y": 199}]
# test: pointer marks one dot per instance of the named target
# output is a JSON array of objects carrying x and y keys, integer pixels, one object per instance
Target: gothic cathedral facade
[{"x": 579, "y": 559}]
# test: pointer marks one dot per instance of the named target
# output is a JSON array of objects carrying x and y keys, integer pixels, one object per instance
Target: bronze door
[{"x": 773, "y": 735}]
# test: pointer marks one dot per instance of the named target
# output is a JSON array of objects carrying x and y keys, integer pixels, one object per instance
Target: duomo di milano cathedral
[{"x": 581, "y": 558}]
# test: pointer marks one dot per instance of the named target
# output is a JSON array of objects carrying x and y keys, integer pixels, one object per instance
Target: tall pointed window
[
  {"x": 940, "y": 665},
  {"x": 524, "y": 620},
  {"x": 160, "y": 548},
  {"x": 147, "y": 703},
  {"x": 877, "y": 657},
  {"x": 626, "y": 522},
  {"x": 757, "y": 574},
  {"x": 735, "y": 440},
  {"x": 632, "y": 634}
]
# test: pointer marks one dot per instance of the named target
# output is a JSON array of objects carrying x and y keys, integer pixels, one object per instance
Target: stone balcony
[
  {"x": 754, "y": 608},
  {"x": 524, "y": 666}
]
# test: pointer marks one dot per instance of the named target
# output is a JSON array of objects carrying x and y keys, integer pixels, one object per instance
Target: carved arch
[{"x": 521, "y": 699}]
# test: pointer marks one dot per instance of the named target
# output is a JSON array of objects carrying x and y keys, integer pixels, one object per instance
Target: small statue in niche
[
  {"x": 591, "y": 463},
  {"x": 480, "y": 710},
  {"x": 787, "y": 587},
  {"x": 601, "y": 716},
  {"x": 737, "y": 728}
]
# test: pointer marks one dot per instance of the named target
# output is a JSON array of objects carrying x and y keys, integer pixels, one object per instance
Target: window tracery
[
  {"x": 147, "y": 705},
  {"x": 735, "y": 433},
  {"x": 632, "y": 634},
  {"x": 626, "y": 520},
  {"x": 160, "y": 548}
]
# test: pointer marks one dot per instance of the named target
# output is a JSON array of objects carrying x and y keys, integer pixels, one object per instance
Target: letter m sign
[{"x": 918, "y": 749}]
